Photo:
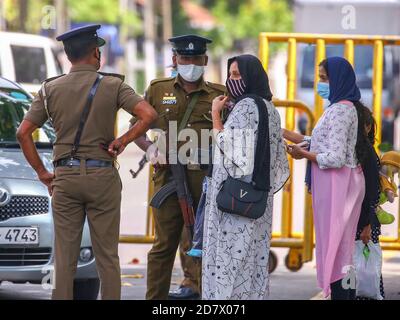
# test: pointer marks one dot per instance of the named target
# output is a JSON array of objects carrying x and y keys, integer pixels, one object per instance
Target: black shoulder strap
[
  {"x": 116, "y": 75},
  {"x": 262, "y": 159},
  {"x": 189, "y": 111},
  {"x": 85, "y": 114}
]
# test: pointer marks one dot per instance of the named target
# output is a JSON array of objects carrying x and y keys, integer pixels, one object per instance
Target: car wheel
[{"x": 86, "y": 289}]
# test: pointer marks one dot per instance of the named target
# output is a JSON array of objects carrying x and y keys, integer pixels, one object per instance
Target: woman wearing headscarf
[
  {"x": 336, "y": 180},
  {"x": 236, "y": 248}
]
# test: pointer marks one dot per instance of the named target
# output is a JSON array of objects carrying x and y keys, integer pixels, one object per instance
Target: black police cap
[
  {"x": 190, "y": 45},
  {"x": 85, "y": 34}
]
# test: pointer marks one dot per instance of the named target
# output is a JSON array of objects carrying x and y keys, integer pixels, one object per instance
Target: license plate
[{"x": 14, "y": 235}]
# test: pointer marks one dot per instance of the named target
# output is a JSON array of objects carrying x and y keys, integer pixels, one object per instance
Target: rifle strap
[
  {"x": 85, "y": 114},
  {"x": 189, "y": 111}
]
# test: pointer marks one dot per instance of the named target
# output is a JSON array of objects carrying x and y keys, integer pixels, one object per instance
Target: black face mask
[{"x": 236, "y": 88}]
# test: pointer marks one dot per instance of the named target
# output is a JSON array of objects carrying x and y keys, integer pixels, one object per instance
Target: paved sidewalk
[{"x": 284, "y": 285}]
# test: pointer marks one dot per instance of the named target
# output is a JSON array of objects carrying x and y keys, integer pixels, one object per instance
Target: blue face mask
[
  {"x": 323, "y": 89},
  {"x": 174, "y": 73}
]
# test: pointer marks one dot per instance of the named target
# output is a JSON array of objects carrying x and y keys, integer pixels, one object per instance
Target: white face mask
[{"x": 190, "y": 72}]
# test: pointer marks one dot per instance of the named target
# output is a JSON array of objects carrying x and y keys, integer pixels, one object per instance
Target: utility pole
[
  {"x": 167, "y": 33},
  {"x": 149, "y": 42}
]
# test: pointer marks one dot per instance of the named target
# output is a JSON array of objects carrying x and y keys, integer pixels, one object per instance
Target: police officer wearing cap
[
  {"x": 171, "y": 98},
  {"x": 82, "y": 107}
]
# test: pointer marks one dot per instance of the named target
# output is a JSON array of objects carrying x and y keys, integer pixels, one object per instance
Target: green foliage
[
  {"x": 385, "y": 147},
  {"x": 244, "y": 20},
  {"x": 140, "y": 82},
  {"x": 180, "y": 23},
  {"x": 34, "y": 14},
  {"x": 96, "y": 11},
  {"x": 11, "y": 13},
  {"x": 104, "y": 11}
]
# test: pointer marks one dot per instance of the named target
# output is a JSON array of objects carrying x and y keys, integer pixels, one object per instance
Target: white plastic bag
[{"x": 368, "y": 268}]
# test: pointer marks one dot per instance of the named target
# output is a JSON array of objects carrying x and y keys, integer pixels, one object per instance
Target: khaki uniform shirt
[
  {"x": 170, "y": 100},
  {"x": 67, "y": 96}
]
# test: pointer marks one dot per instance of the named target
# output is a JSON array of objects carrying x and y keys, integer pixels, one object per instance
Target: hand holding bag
[{"x": 368, "y": 266}]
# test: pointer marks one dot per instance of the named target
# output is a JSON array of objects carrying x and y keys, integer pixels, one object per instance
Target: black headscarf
[
  {"x": 253, "y": 75},
  {"x": 257, "y": 88}
]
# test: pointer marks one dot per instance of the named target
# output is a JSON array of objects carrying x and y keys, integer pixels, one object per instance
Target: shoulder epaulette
[
  {"x": 53, "y": 78},
  {"x": 161, "y": 80},
  {"x": 120, "y": 76},
  {"x": 216, "y": 86}
]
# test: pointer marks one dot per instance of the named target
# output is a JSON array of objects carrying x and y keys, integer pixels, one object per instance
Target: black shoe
[{"x": 183, "y": 293}]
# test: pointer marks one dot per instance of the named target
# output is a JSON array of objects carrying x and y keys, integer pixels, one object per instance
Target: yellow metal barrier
[
  {"x": 305, "y": 241},
  {"x": 301, "y": 245},
  {"x": 148, "y": 237},
  {"x": 320, "y": 40}
]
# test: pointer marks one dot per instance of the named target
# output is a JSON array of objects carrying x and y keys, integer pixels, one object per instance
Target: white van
[{"x": 28, "y": 59}]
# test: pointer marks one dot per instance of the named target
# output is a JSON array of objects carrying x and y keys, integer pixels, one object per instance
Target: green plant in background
[
  {"x": 11, "y": 14},
  {"x": 140, "y": 82},
  {"x": 242, "y": 21},
  {"x": 385, "y": 147},
  {"x": 105, "y": 11},
  {"x": 180, "y": 22},
  {"x": 26, "y": 15},
  {"x": 238, "y": 24}
]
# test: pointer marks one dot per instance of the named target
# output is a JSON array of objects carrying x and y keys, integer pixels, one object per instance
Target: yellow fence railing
[
  {"x": 320, "y": 41},
  {"x": 301, "y": 244}
]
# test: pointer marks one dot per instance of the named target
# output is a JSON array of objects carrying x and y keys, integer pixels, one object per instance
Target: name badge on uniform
[{"x": 169, "y": 99}]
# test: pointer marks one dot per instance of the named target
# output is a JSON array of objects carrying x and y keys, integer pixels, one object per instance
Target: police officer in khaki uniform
[
  {"x": 85, "y": 182},
  {"x": 171, "y": 97},
  {"x": 189, "y": 285}
]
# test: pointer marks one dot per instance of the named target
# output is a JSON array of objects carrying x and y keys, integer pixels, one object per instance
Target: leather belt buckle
[{"x": 71, "y": 162}]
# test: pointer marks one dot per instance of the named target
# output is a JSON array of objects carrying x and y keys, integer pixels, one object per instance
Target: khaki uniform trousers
[
  {"x": 169, "y": 226},
  {"x": 95, "y": 193},
  {"x": 189, "y": 265}
]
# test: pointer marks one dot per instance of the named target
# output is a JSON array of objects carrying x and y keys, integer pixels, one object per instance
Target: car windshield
[{"x": 14, "y": 103}]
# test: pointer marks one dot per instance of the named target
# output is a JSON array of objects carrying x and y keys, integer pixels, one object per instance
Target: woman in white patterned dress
[{"x": 236, "y": 248}]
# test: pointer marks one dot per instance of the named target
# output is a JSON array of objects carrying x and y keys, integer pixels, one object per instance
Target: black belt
[{"x": 90, "y": 163}]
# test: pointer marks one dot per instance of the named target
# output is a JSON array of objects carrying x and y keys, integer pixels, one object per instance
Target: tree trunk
[{"x": 23, "y": 14}]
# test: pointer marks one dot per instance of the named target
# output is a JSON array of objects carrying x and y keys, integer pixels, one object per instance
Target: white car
[{"x": 28, "y": 59}]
